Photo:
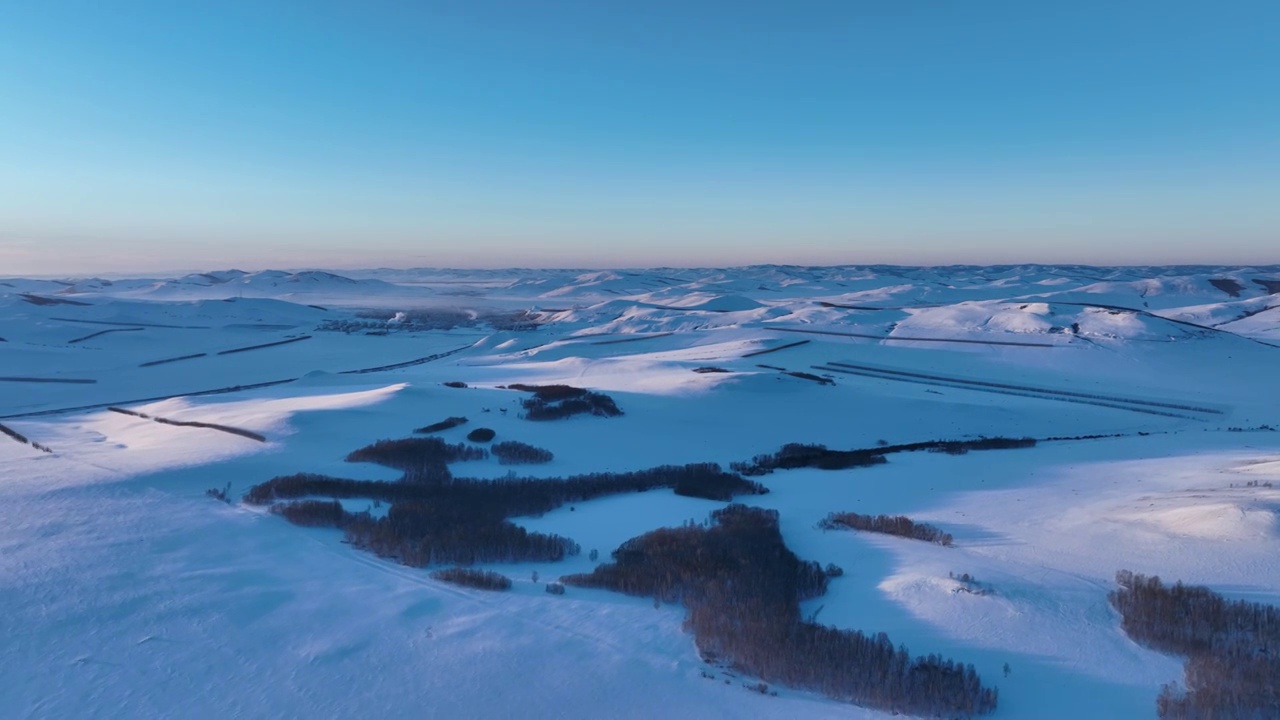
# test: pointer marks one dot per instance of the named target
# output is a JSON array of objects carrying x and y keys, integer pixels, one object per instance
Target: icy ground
[{"x": 126, "y": 592}]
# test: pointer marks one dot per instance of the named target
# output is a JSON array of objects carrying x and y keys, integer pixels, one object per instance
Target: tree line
[
  {"x": 742, "y": 588},
  {"x": 899, "y": 525},
  {"x": 802, "y": 455},
  {"x": 1232, "y": 646}
]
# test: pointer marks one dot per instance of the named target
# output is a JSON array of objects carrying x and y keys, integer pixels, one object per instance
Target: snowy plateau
[{"x": 1153, "y": 394}]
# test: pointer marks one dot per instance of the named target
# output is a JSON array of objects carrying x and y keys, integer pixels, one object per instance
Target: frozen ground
[{"x": 126, "y": 592}]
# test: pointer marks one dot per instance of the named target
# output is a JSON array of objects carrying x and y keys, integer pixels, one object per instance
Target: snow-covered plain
[{"x": 125, "y": 591}]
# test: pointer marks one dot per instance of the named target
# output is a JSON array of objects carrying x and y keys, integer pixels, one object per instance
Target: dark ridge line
[
  {"x": 65, "y": 381},
  {"x": 264, "y": 345},
  {"x": 1009, "y": 392},
  {"x": 104, "y": 332},
  {"x": 172, "y": 359},
  {"x": 914, "y": 339},
  {"x": 192, "y": 423},
  {"x": 766, "y": 351},
  {"x": 133, "y": 324},
  {"x": 1032, "y": 388},
  {"x": 634, "y": 339}
]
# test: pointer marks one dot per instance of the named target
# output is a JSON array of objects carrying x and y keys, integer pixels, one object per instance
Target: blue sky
[{"x": 183, "y": 135}]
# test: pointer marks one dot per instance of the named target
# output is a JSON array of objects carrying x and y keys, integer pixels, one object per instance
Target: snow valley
[{"x": 754, "y": 492}]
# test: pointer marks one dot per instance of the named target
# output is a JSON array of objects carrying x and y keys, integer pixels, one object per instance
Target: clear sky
[{"x": 149, "y": 136}]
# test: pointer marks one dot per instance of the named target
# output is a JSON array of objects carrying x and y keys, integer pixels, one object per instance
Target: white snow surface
[{"x": 126, "y": 592}]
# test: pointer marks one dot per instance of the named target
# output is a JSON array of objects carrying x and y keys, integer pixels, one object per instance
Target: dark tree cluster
[
  {"x": 899, "y": 525},
  {"x": 1232, "y": 646},
  {"x": 472, "y": 578},
  {"x": 419, "y": 458},
  {"x": 446, "y": 424},
  {"x": 554, "y": 402},
  {"x": 742, "y": 588},
  {"x": 465, "y": 521},
  {"x": 810, "y": 376},
  {"x": 800, "y": 455},
  {"x": 511, "y": 452},
  {"x": 456, "y": 384},
  {"x": 481, "y": 435},
  {"x": 960, "y": 447}
]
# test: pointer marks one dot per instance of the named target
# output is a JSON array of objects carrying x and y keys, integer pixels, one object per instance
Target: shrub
[
  {"x": 455, "y": 384},
  {"x": 223, "y": 494},
  {"x": 446, "y": 424},
  {"x": 518, "y": 453},
  {"x": 555, "y": 588},
  {"x": 481, "y": 435},
  {"x": 469, "y": 577}
]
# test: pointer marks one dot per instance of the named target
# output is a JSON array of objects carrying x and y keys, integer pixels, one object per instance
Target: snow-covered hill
[{"x": 128, "y": 592}]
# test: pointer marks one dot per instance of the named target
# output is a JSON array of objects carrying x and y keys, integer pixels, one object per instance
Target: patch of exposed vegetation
[
  {"x": 898, "y": 525},
  {"x": 742, "y": 588}
]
